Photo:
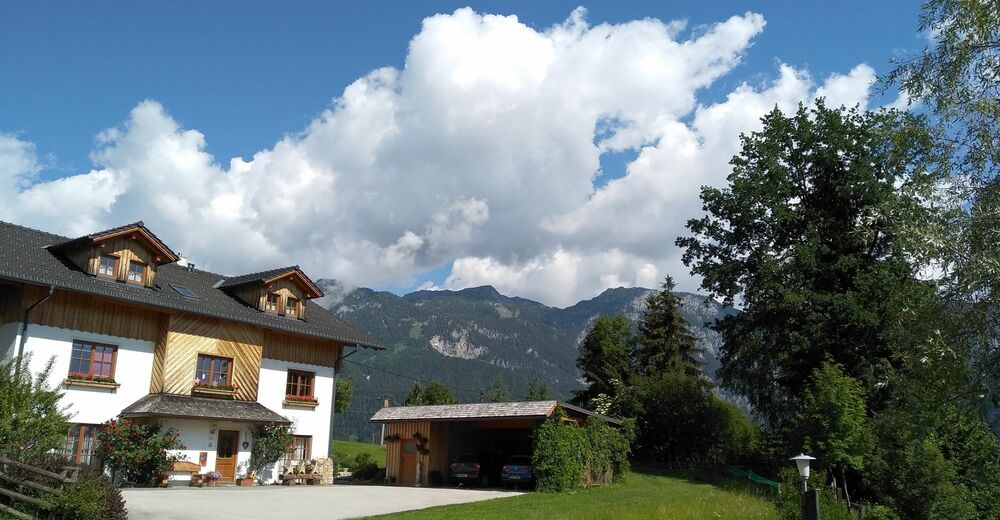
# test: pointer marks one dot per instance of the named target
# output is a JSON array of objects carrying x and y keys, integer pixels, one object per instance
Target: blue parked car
[{"x": 518, "y": 470}]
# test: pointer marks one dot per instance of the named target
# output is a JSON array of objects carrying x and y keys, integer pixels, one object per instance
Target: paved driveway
[{"x": 284, "y": 502}]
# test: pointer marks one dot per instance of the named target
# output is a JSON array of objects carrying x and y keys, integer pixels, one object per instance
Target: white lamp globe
[{"x": 802, "y": 463}]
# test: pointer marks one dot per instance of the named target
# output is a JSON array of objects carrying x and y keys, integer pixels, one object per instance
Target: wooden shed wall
[{"x": 394, "y": 448}]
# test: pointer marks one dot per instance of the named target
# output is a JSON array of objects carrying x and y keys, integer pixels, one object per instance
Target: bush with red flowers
[{"x": 136, "y": 452}]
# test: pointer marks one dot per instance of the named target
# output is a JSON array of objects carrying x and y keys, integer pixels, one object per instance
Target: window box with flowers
[
  {"x": 211, "y": 389},
  {"x": 90, "y": 380},
  {"x": 301, "y": 401}
]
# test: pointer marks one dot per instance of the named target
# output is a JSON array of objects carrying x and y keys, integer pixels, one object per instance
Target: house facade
[{"x": 133, "y": 330}]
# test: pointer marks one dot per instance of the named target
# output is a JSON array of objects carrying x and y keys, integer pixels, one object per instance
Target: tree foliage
[
  {"x": 345, "y": 390},
  {"x": 607, "y": 354},
  {"x": 499, "y": 392},
  {"x": 833, "y": 422},
  {"x": 682, "y": 424},
  {"x": 434, "y": 393},
  {"x": 812, "y": 236},
  {"x": 31, "y": 421},
  {"x": 537, "y": 391}
]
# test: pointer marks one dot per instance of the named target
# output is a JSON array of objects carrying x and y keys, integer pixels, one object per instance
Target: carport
[{"x": 422, "y": 441}]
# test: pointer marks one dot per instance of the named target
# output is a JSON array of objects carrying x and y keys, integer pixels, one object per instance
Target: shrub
[
  {"x": 789, "y": 501},
  {"x": 91, "y": 497},
  {"x": 31, "y": 421},
  {"x": 137, "y": 452},
  {"x": 567, "y": 456},
  {"x": 364, "y": 467},
  {"x": 270, "y": 443}
]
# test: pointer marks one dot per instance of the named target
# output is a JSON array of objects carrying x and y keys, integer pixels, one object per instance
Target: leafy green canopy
[
  {"x": 137, "y": 452},
  {"x": 606, "y": 355},
  {"x": 270, "y": 443},
  {"x": 813, "y": 237},
  {"x": 958, "y": 78}
]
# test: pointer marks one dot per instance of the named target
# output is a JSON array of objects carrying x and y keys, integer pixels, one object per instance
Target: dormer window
[
  {"x": 108, "y": 267},
  {"x": 272, "y": 302},
  {"x": 136, "y": 272},
  {"x": 291, "y": 307}
]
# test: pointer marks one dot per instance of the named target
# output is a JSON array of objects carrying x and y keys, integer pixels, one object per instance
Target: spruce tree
[{"x": 665, "y": 342}]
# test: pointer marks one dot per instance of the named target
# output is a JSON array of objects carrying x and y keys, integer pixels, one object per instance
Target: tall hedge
[{"x": 568, "y": 456}]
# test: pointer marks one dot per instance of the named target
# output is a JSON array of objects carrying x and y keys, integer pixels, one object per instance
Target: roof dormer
[
  {"x": 129, "y": 254},
  {"x": 282, "y": 291}
]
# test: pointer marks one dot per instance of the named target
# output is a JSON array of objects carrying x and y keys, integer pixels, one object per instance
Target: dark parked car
[
  {"x": 481, "y": 469},
  {"x": 518, "y": 470}
]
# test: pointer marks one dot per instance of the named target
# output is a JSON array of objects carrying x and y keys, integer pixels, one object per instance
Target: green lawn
[
  {"x": 349, "y": 449},
  {"x": 640, "y": 496}
]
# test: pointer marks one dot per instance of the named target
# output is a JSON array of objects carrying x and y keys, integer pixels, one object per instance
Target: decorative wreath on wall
[{"x": 421, "y": 443}]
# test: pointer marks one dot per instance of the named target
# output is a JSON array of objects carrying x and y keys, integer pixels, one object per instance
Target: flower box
[
  {"x": 211, "y": 390},
  {"x": 91, "y": 381},
  {"x": 299, "y": 401},
  {"x": 244, "y": 482}
]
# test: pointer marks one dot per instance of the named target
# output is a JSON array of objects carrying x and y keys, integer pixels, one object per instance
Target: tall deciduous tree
[
  {"x": 345, "y": 390},
  {"x": 606, "y": 355},
  {"x": 958, "y": 77},
  {"x": 665, "y": 342},
  {"x": 811, "y": 237}
]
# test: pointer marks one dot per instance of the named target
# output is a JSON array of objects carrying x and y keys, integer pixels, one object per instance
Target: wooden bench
[
  {"x": 310, "y": 479},
  {"x": 183, "y": 466}
]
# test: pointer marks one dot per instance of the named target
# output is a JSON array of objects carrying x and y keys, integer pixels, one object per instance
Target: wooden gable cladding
[
  {"x": 299, "y": 349},
  {"x": 87, "y": 313},
  {"x": 87, "y": 256},
  {"x": 286, "y": 289},
  {"x": 187, "y": 335}
]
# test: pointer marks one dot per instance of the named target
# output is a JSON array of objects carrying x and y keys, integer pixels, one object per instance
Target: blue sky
[{"x": 245, "y": 74}]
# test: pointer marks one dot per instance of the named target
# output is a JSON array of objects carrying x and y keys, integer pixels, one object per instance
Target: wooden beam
[
  {"x": 25, "y": 498},
  {"x": 15, "y": 513},
  {"x": 28, "y": 483}
]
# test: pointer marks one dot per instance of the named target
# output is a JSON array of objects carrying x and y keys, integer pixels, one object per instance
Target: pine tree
[{"x": 665, "y": 342}]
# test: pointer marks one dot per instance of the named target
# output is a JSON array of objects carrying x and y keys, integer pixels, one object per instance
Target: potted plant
[
  {"x": 247, "y": 477},
  {"x": 297, "y": 469},
  {"x": 311, "y": 466},
  {"x": 211, "y": 478}
]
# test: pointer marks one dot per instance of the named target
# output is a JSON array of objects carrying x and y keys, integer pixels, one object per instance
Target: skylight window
[{"x": 185, "y": 292}]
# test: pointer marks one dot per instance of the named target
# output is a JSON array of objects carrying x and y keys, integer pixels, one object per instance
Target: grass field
[
  {"x": 641, "y": 496},
  {"x": 350, "y": 449}
]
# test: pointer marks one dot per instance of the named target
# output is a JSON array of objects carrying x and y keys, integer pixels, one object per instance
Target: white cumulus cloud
[{"x": 483, "y": 150}]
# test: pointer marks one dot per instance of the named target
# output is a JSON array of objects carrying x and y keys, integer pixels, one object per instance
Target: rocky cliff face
[{"x": 470, "y": 338}]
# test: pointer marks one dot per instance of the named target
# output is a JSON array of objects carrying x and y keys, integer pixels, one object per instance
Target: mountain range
[{"x": 472, "y": 338}]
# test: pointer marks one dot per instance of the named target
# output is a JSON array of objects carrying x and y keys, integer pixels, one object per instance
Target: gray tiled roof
[
  {"x": 452, "y": 412},
  {"x": 170, "y": 405},
  {"x": 116, "y": 229},
  {"x": 258, "y": 277},
  {"x": 25, "y": 257}
]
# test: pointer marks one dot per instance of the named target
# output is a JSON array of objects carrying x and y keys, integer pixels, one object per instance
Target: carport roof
[{"x": 475, "y": 411}]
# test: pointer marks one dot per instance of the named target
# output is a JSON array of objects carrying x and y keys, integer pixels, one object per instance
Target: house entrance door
[{"x": 225, "y": 455}]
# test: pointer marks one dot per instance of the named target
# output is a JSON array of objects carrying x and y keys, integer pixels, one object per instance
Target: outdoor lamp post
[
  {"x": 810, "y": 499},
  {"x": 802, "y": 462}
]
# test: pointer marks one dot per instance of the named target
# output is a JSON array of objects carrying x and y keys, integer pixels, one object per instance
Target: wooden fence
[{"x": 15, "y": 485}]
